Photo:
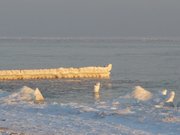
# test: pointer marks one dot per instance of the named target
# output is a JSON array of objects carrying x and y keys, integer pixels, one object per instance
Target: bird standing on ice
[
  {"x": 164, "y": 92},
  {"x": 97, "y": 87},
  {"x": 96, "y": 91}
]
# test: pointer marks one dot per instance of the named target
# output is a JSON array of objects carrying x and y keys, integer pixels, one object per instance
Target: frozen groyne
[{"x": 83, "y": 72}]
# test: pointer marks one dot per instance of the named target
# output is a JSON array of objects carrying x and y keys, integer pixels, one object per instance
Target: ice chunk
[{"x": 142, "y": 94}]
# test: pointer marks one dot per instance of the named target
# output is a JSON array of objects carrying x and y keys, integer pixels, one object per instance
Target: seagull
[
  {"x": 164, "y": 92},
  {"x": 97, "y": 87}
]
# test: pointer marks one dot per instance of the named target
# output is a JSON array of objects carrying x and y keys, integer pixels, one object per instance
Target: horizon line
[{"x": 81, "y": 38}]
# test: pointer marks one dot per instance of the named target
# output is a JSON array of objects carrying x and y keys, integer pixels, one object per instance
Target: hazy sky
[{"x": 101, "y": 18}]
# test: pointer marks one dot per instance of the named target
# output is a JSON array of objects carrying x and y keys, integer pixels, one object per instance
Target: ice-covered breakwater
[{"x": 83, "y": 72}]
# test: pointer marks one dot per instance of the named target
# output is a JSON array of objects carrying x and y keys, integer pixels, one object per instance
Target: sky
[{"x": 89, "y": 18}]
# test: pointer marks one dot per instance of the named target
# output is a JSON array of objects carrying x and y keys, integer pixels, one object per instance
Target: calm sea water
[{"x": 71, "y": 107}]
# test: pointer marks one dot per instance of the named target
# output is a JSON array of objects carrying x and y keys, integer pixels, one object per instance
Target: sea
[{"x": 71, "y": 107}]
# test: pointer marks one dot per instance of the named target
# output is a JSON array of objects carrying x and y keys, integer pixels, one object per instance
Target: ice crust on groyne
[{"x": 83, "y": 72}]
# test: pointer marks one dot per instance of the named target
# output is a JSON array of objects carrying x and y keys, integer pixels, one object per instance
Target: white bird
[
  {"x": 164, "y": 92},
  {"x": 97, "y": 87}
]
